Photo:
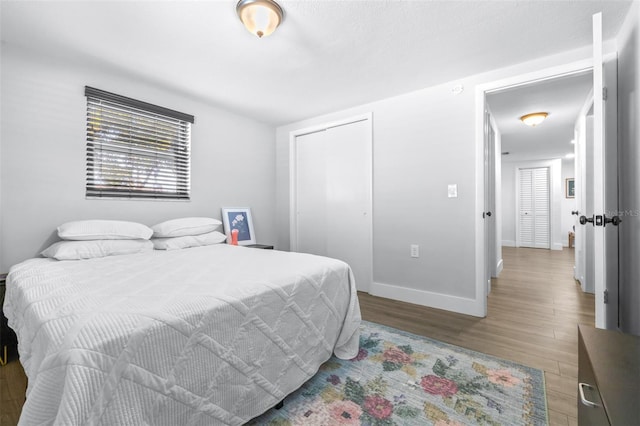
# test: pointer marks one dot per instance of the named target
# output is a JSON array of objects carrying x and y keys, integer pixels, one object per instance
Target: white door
[
  {"x": 533, "y": 214},
  {"x": 542, "y": 234},
  {"x": 604, "y": 193},
  {"x": 332, "y": 201},
  {"x": 580, "y": 192},
  {"x": 311, "y": 159},
  {"x": 588, "y": 231},
  {"x": 490, "y": 212}
]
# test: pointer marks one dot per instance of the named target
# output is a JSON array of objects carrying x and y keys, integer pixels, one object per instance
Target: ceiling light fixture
[
  {"x": 534, "y": 118},
  {"x": 260, "y": 17}
]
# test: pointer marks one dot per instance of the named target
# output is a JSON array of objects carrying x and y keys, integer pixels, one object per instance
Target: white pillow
[
  {"x": 75, "y": 250},
  {"x": 175, "y": 243},
  {"x": 83, "y": 230},
  {"x": 185, "y": 226}
]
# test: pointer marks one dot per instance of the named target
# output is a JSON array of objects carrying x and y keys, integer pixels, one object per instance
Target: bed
[{"x": 200, "y": 336}]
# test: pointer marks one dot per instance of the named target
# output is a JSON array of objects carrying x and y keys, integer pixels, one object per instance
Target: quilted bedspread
[{"x": 201, "y": 336}]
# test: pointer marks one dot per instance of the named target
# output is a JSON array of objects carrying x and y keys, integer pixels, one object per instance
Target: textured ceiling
[
  {"x": 562, "y": 98},
  {"x": 326, "y": 56}
]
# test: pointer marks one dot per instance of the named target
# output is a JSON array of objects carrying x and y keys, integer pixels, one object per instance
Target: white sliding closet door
[
  {"x": 333, "y": 196},
  {"x": 534, "y": 204},
  {"x": 312, "y": 152}
]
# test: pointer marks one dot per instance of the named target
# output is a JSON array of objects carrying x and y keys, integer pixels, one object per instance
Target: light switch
[{"x": 452, "y": 190}]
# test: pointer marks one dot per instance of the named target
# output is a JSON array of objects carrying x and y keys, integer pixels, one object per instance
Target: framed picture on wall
[
  {"x": 570, "y": 188},
  {"x": 238, "y": 218}
]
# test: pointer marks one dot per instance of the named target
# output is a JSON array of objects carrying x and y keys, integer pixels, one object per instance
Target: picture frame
[
  {"x": 570, "y": 188},
  {"x": 239, "y": 218}
]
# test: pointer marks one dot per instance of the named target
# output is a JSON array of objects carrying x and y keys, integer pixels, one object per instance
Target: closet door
[
  {"x": 533, "y": 215},
  {"x": 311, "y": 159},
  {"x": 333, "y": 196},
  {"x": 526, "y": 214},
  {"x": 541, "y": 208}
]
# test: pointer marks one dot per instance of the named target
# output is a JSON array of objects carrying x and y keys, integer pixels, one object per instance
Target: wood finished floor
[{"x": 533, "y": 312}]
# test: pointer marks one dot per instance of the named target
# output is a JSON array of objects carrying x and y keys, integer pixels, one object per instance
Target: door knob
[
  {"x": 584, "y": 220},
  {"x": 484, "y": 214},
  {"x": 615, "y": 221},
  {"x": 489, "y": 214}
]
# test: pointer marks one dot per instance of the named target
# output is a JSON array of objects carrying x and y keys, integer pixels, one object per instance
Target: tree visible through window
[{"x": 135, "y": 149}]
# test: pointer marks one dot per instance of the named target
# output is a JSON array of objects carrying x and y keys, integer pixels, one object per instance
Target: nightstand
[
  {"x": 260, "y": 246},
  {"x": 8, "y": 339},
  {"x": 608, "y": 372}
]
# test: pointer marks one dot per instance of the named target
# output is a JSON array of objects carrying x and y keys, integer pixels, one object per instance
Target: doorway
[{"x": 522, "y": 95}]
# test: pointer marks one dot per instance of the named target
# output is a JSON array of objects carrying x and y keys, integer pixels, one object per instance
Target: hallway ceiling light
[
  {"x": 534, "y": 118},
  {"x": 260, "y": 17}
]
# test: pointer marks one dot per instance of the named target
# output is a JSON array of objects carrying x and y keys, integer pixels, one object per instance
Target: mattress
[{"x": 200, "y": 336}]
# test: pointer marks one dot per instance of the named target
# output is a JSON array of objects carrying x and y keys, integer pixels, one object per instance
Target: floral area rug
[{"x": 400, "y": 378}]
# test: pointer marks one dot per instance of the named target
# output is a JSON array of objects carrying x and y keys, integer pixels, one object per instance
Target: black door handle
[
  {"x": 489, "y": 214},
  {"x": 584, "y": 220},
  {"x": 615, "y": 221}
]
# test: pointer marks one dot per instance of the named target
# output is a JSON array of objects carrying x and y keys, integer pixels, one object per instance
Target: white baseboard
[
  {"x": 426, "y": 298},
  {"x": 509, "y": 243}
]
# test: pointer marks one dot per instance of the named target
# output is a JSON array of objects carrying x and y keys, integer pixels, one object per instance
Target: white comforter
[{"x": 208, "y": 335}]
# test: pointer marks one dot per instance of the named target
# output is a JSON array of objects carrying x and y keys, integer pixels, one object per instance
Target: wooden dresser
[{"x": 608, "y": 377}]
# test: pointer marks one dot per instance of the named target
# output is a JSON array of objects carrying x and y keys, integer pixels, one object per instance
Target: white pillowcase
[
  {"x": 185, "y": 226},
  {"x": 75, "y": 250},
  {"x": 83, "y": 230},
  {"x": 176, "y": 243}
]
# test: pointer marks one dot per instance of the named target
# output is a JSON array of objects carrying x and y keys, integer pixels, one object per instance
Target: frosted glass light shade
[
  {"x": 534, "y": 118},
  {"x": 260, "y": 17}
]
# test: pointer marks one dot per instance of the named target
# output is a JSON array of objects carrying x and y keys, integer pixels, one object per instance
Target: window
[{"x": 135, "y": 149}]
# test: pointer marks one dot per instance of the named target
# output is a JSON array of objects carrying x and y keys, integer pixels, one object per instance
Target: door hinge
[
  {"x": 604, "y": 93},
  {"x": 606, "y": 296}
]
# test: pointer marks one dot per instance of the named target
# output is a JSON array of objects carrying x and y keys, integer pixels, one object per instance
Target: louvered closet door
[
  {"x": 526, "y": 208},
  {"x": 541, "y": 208},
  {"x": 534, "y": 208}
]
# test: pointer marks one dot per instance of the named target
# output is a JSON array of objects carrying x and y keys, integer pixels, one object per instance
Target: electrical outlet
[{"x": 415, "y": 250}]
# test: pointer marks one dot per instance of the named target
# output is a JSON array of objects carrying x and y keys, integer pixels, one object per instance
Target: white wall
[
  {"x": 567, "y": 220},
  {"x": 628, "y": 41},
  {"x": 508, "y": 211},
  {"x": 423, "y": 141},
  {"x": 509, "y": 190},
  {"x": 43, "y": 155}
]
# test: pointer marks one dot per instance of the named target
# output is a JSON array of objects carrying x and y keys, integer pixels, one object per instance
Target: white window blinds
[{"x": 135, "y": 149}]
